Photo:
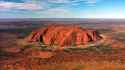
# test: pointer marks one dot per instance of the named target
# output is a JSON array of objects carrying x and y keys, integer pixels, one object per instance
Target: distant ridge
[
  {"x": 57, "y": 19},
  {"x": 41, "y": 19}
]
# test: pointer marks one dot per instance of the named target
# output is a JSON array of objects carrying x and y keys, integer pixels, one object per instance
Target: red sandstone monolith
[{"x": 63, "y": 35}]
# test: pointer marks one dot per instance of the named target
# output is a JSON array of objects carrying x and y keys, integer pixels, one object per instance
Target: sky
[{"x": 62, "y": 8}]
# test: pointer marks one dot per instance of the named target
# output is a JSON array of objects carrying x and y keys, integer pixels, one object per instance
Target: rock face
[{"x": 63, "y": 35}]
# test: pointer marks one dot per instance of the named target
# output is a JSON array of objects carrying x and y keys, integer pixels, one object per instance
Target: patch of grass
[
  {"x": 79, "y": 67},
  {"x": 42, "y": 45},
  {"x": 29, "y": 46},
  {"x": 2, "y": 52},
  {"x": 101, "y": 47}
]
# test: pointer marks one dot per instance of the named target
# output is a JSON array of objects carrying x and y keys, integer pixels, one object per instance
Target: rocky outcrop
[{"x": 63, "y": 35}]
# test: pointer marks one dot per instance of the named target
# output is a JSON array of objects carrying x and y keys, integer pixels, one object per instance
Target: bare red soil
[
  {"x": 12, "y": 57},
  {"x": 27, "y": 61}
]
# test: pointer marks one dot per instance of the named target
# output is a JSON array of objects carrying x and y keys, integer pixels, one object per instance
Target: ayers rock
[{"x": 63, "y": 35}]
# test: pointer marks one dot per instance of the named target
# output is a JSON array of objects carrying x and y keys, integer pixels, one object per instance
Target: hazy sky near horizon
[{"x": 62, "y": 8}]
